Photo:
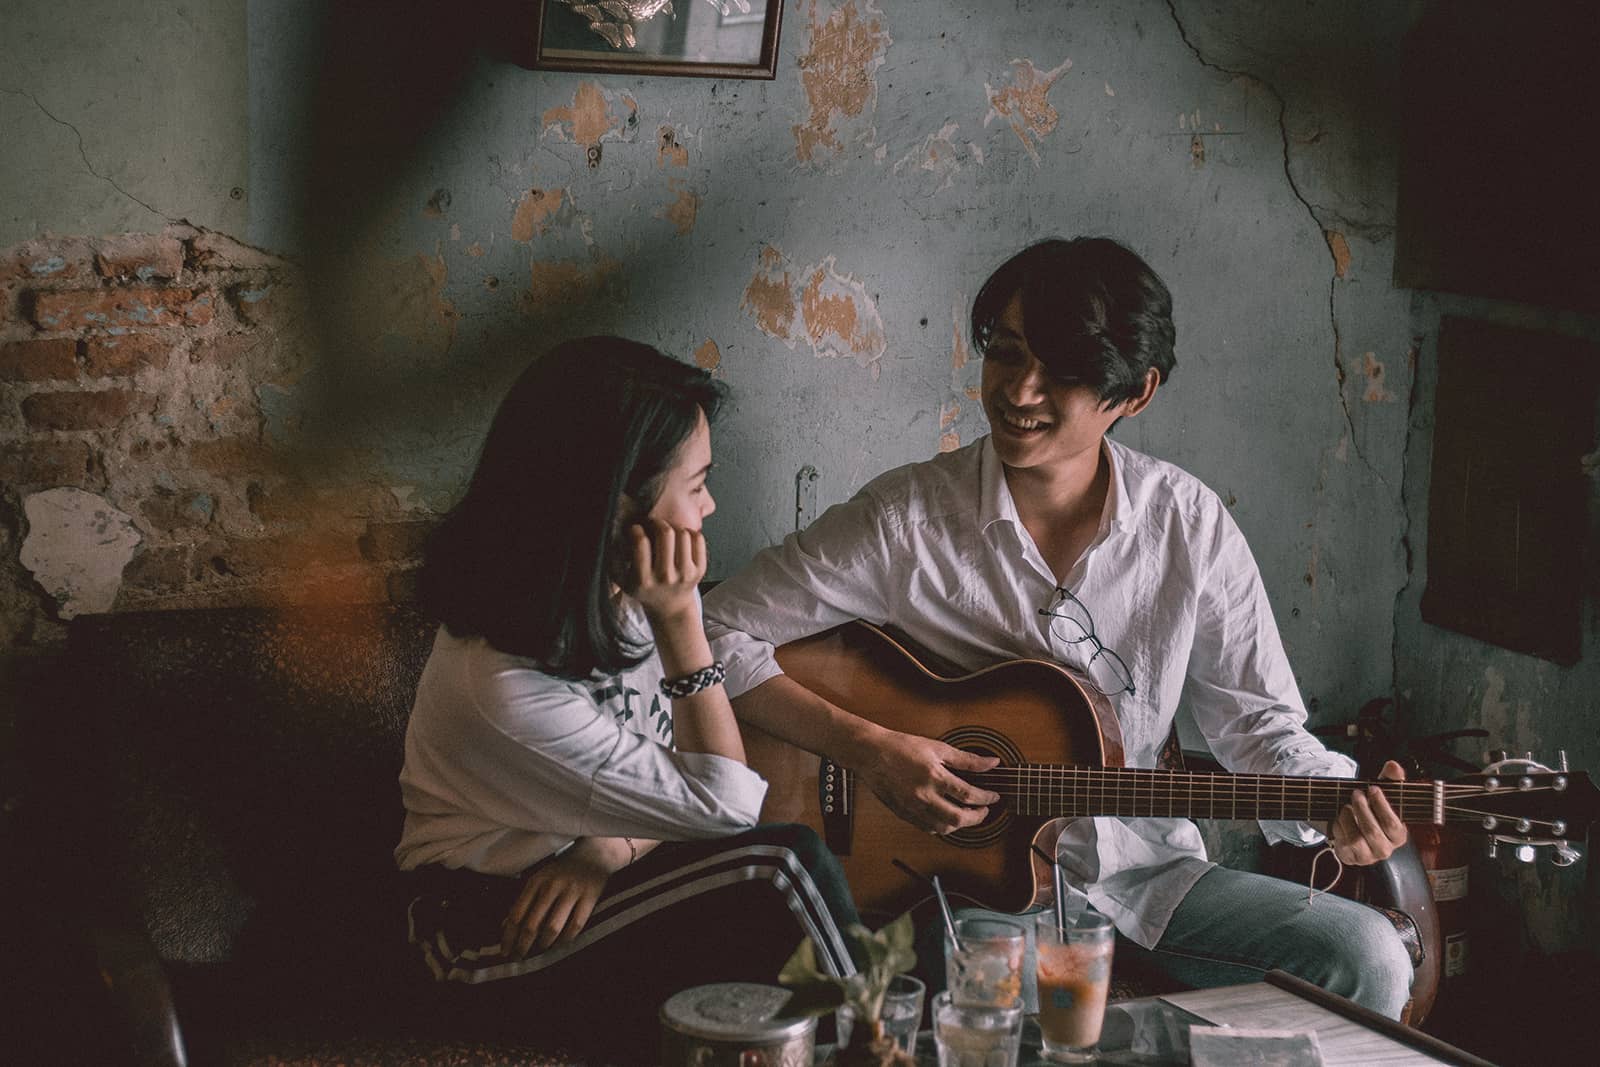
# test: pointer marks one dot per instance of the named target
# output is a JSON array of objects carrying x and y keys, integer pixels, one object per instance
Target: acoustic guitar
[{"x": 1061, "y": 758}]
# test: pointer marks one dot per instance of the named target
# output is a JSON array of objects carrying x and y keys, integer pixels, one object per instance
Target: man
[{"x": 1048, "y": 540}]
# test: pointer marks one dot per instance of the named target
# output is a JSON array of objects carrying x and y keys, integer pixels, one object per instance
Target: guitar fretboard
[{"x": 1056, "y": 790}]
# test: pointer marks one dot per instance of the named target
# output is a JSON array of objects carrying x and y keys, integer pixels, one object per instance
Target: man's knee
[{"x": 1373, "y": 967}]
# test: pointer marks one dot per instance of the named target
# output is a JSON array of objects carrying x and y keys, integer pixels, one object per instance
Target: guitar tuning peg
[
  {"x": 1561, "y": 760},
  {"x": 1496, "y": 755},
  {"x": 1494, "y": 848},
  {"x": 1524, "y": 853},
  {"x": 1565, "y": 855}
]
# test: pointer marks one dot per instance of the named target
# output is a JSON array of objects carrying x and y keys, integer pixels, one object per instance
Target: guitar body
[
  {"x": 1061, "y": 756},
  {"x": 1023, "y": 711}
]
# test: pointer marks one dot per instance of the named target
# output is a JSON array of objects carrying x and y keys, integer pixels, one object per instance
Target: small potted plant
[{"x": 880, "y": 956}]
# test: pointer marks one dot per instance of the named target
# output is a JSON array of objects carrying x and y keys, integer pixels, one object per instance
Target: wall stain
[
  {"x": 1025, "y": 102},
  {"x": 840, "y": 318},
  {"x": 770, "y": 298},
  {"x": 830, "y": 311},
  {"x": 670, "y": 152},
  {"x": 1376, "y": 393},
  {"x": 536, "y": 213},
  {"x": 594, "y": 115},
  {"x": 565, "y": 284},
  {"x": 407, "y": 300},
  {"x": 960, "y": 351},
  {"x": 837, "y": 71},
  {"x": 940, "y": 155},
  {"x": 1341, "y": 252},
  {"x": 708, "y": 357},
  {"x": 683, "y": 210}
]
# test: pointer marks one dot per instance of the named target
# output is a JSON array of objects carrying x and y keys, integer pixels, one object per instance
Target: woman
[{"x": 570, "y": 723}]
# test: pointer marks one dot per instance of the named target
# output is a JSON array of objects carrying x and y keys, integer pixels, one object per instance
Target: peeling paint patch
[
  {"x": 940, "y": 155},
  {"x": 838, "y": 72},
  {"x": 949, "y": 436},
  {"x": 475, "y": 250},
  {"x": 960, "y": 353},
  {"x": 406, "y": 300},
  {"x": 594, "y": 115},
  {"x": 670, "y": 152},
  {"x": 536, "y": 213},
  {"x": 708, "y": 357},
  {"x": 682, "y": 211},
  {"x": 770, "y": 298},
  {"x": 76, "y": 548},
  {"x": 1376, "y": 393},
  {"x": 830, "y": 311},
  {"x": 1341, "y": 252},
  {"x": 556, "y": 286},
  {"x": 1025, "y": 102},
  {"x": 840, "y": 318}
]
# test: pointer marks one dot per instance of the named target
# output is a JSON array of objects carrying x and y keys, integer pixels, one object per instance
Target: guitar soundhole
[{"x": 982, "y": 741}]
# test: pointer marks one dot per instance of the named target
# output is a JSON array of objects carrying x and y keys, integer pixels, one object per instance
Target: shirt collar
[
  {"x": 1118, "y": 512},
  {"x": 995, "y": 503}
]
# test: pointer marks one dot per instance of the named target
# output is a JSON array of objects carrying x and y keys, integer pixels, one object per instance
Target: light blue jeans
[{"x": 1234, "y": 926}]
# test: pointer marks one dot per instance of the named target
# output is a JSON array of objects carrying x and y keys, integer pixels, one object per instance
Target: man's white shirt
[{"x": 937, "y": 550}]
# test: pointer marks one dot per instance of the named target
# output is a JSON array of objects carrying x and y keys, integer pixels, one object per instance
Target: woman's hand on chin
[{"x": 668, "y": 564}]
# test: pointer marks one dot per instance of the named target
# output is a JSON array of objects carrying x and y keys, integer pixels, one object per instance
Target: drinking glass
[
  {"x": 1074, "y": 974},
  {"x": 985, "y": 968},
  {"x": 976, "y": 1035},
  {"x": 902, "y": 1013}
]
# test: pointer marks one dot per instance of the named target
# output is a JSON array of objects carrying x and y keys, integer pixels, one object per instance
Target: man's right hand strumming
[{"x": 916, "y": 778}]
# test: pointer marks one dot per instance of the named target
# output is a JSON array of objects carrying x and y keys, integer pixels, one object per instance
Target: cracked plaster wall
[{"x": 904, "y": 150}]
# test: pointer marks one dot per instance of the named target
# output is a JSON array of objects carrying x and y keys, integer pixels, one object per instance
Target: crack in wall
[
  {"x": 1414, "y": 356},
  {"x": 1294, "y": 188},
  {"x": 84, "y": 155}
]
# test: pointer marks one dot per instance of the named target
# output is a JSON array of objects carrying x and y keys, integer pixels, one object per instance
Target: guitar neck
[{"x": 1063, "y": 790}]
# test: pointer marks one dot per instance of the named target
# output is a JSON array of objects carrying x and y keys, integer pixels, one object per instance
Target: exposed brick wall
[{"x": 131, "y": 368}]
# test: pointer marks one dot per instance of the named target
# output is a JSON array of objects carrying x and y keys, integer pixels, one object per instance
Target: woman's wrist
[{"x": 682, "y": 645}]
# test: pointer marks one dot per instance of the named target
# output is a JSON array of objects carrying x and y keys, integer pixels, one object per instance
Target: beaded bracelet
[{"x": 689, "y": 684}]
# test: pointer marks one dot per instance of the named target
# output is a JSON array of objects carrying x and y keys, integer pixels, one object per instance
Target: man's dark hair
[
  {"x": 1093, "y": 312},
  {"x": 527, "y": 559}
]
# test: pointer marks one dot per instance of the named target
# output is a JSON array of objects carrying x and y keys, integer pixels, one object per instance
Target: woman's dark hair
[
  {"x": 1094, "y": 313},
  {"x": 527, "y": 558}
]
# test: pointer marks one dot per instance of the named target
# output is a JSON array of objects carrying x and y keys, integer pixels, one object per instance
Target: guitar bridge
[{"x": 836, "y": 789}]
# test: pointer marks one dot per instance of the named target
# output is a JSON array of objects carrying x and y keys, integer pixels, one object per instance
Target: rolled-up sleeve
[
  {"x": 1240, "y": 687},
  {"x": 833, "y": 571},
  {"x": 614, "y": 782}
]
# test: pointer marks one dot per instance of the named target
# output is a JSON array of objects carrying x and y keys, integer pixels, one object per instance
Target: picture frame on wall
[{"x": 675, "y": 38}]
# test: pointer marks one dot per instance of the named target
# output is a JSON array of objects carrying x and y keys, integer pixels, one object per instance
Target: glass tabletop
[{"x": 1147, "y": 1032}]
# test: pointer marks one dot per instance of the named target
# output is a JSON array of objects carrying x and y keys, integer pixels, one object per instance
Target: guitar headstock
[{"x": 1527, "y": 805}]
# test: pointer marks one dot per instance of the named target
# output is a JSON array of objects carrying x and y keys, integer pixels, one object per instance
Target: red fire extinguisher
[{"x": 1445, "y": 854}]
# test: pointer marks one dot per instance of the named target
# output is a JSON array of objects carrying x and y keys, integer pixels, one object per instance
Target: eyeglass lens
[{"x": 1072, "y": 624}]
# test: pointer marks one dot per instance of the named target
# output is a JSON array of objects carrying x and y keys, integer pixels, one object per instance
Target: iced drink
[
  {"x": 1074, "y": 975},
  {"x": 985, "y": 967}
]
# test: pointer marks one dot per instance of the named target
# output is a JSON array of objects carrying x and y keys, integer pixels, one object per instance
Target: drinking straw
[
  {"x": 938, "y": 891},
  {"x": 949, "y": 920},
  {"x": 1060, "y": 880}
]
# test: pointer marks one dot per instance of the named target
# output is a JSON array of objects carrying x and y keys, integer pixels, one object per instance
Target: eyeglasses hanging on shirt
[{"x": 1071, "y": 623}]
